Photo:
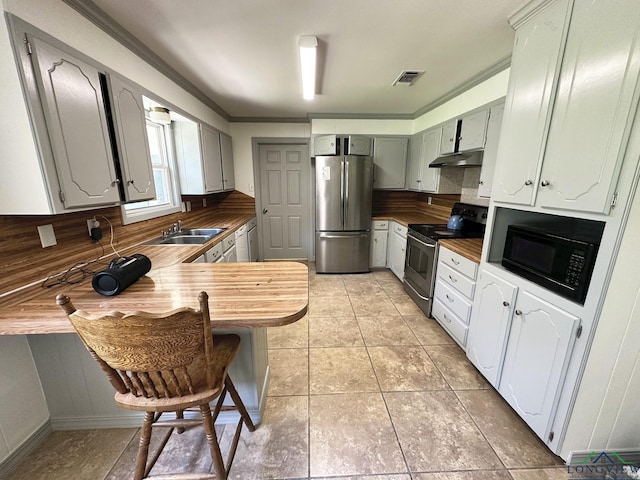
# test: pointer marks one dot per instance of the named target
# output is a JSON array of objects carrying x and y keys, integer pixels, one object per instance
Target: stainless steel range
[{"x": 422, "y": 249}]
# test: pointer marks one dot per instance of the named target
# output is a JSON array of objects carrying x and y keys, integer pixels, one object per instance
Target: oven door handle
[
  {"x": 428, "y": 245},
  {"x": 426, "y": 299}
]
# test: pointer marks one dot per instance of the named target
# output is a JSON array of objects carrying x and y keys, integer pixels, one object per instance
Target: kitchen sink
[{"x": 189, "y": 236}]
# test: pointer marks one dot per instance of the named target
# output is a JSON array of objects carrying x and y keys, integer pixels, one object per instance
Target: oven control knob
[{"x": 505, "y": 303}]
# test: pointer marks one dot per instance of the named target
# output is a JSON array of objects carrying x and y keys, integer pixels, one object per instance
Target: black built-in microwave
[{"x": 557, "y": 257}]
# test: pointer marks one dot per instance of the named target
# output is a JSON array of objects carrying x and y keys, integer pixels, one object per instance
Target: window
[{"x": 167, "y": 196}]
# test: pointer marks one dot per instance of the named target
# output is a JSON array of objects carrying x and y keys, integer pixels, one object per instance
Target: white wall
[
  {"x": 243, "y": 133},
  {"x": 483, "y": 93},
  {"x": 326, "y": 126},
  {"x": 23, "y": 408},
  {"x": 605, "y": 415}
]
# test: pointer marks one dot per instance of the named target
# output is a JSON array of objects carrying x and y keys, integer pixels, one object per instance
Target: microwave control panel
[{"x": 576, "y": 265}]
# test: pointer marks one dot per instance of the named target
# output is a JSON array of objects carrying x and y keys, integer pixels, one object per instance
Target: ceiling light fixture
[{"x": 307, "y": 45}]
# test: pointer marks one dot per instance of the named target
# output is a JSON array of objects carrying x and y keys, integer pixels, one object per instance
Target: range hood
[{"x": 469, "y": 159}]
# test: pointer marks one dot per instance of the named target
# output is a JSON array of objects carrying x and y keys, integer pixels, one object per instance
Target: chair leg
[
  {"x": 143, "y": 448},
  {"x": 214, "y": 446},
  {"x": 239, "y": 404},
  {"x": 180, "y": 416}
]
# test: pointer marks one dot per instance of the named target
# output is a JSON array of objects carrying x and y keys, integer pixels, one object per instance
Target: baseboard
[{"x": 25, "y": 448}]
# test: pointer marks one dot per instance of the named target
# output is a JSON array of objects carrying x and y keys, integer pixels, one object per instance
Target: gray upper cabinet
[
  {"x": 203, "y": 155},
  {"x": 449, "y": 137},
  {"x": 473, "y": 131},
  {"x": 390, "y": 161},
  {"x": 132, "y": 141},
  {"x": 74, "y": 111},
  {"x": 226, "y": 151},
  {"x": 490, "y": 151},
  {"x": 325, "y": 145},
  {"x": 359, "y": 145}
]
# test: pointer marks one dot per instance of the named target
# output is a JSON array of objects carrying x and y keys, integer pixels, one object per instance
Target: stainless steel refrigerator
[{"x": 344, "y": 187}]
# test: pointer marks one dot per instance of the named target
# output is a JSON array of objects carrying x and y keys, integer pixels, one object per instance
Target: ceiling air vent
[{"x": 408, "y": 78}]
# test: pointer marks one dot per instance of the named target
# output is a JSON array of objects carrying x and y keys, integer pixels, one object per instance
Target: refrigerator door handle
[
  {"x": 346, "y": 192},
  {"x": 342, "y": 219}
]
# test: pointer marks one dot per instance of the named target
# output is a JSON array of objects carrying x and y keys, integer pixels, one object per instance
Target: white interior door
[{"x": 285, "y": 196}]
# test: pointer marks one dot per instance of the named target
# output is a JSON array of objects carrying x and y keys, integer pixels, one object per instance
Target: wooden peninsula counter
[{"x": 244, "y": 298}]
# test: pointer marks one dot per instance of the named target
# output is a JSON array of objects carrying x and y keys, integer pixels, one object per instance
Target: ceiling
[{"x": 243, "y": 54}]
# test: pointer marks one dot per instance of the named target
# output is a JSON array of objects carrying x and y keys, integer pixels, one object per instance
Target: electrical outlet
[
  {"x": 92, "y": 223},
  {"x": 429, "y": 200}
]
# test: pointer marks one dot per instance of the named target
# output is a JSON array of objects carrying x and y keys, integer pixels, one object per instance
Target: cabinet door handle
[
  {"x": 454, "y": 280},
  {"x": 265, "y": 210},
  {"x": 480, "y": 182},
  {"x": 528, "y": 182},
  {"x": 446, "y": 318},
  {"x": 518, "y": 312},
  {"x": 115, "y": 182},
  {"x": 505, "y": 303},
  {"x": 454, "y": 261},
  {"x": 448, "y": 297},
  {"x": 544, "y": 183}
]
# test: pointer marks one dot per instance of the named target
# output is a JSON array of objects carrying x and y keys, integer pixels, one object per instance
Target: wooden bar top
[
  {"x": 470, "y": 248},
  {"x": 240, "y": 295}
]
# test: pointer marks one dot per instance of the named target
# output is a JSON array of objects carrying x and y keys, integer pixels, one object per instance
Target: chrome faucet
[{"x": 175, "y": 228}]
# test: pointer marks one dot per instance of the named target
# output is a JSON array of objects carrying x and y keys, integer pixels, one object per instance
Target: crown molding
[
  {"x": 107, "y": 24},
  {"x": 269, "y": 119}
]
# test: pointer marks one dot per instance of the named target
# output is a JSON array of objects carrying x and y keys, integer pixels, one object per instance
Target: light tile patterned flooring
[{"x": 364, "y": 387}]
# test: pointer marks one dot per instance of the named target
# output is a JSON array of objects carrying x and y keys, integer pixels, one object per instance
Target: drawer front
[
  {"x": 450, "y": 322},
  {"x": 214, "y": 253},
  {"x": 252, "y": 223},
  {"x": 400, "y": 229},
  {"x": 241, "y": 231},
  {"x": 381, "y": 225},
  {"x": 458, "y": 281},
  {"x": 456, "y": 302},
  {"x": 458, "y": 262},
  {"x": 228, "y": 242}
]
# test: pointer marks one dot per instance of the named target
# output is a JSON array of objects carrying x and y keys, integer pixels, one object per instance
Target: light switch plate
[{"x": 47, "y": 236}]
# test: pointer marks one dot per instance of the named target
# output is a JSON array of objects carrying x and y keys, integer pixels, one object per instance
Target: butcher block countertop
[
  {"x": 470, "y": 248},
  {"x": 240, "y": 295},
  {"x": 407, "y": 218}
]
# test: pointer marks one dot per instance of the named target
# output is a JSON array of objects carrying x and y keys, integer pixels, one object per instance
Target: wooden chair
[{"x": 165, "y": 363}]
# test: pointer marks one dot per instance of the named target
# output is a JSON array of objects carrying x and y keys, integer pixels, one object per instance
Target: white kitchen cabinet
[
  {"x": 359, "y": 144},
  {"x": 242, "y": 244},
  {"x": 214, "y": 254},
  {"x": 252, "y": 239},
  {"x": 397, "y": 249},
  {"x": 540, "y": 342},
  {"x": 454, "y": 293},
  {"x": 424, "y": 148},
  {"x": 489, "y": 326},
  {"x": 229, "y": 251},
  {"x": 390, "y": 161},
  {"x": 379, "y": 240},
  {"x": 490, "y": 151},
  {"x": 226, "y": 152},
  {"x": 594, "y": 107},
  {"x": 473, "y": 131},
  {"x": 200, "y": 152},
  {"x": 325, "y": 145},
  {"x": 567, "y": 116},
  {"x": 449, "y": 137},
  {"x": 131, "y": 139},
  {"x": 76, "y": 124},
  {"x": 534, "y": 62}
]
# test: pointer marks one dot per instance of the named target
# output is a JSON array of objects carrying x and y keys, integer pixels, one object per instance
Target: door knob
[{"x": 264, "y": 210}]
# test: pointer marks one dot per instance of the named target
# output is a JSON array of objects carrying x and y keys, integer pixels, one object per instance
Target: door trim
[{"x": 256, "y": 143}]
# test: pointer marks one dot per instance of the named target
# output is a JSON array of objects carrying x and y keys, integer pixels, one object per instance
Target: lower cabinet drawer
[
  {"x": 453, "y": 300},
  {"x": 457, "y": 280},
  {"x": 450, "y": 322}
]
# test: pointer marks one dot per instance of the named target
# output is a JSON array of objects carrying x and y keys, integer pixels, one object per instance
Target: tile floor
[{"x": 364, "y": 387}]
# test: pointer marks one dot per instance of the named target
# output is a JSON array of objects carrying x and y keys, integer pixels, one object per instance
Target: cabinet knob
[
  {"x": 130, "y": 182},
  {"x": 528, "y": 182},
  {"x": 518, "y": 312},
  {"x": 264, "y": 210},
  {"x": 544, "y": 183},
  {"x": 505, "y": 303},
  {"x": 115, "y": 182},
  {"x": 480, "y": 182}
]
